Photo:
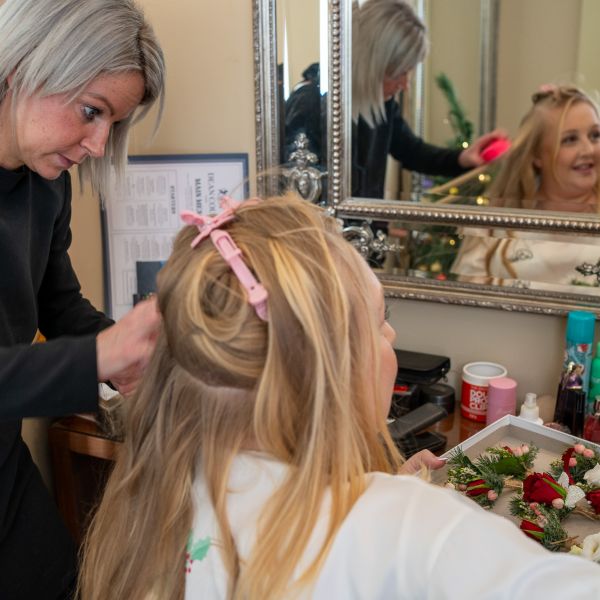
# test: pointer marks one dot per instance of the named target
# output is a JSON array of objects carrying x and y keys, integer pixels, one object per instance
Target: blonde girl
[
  {"x": 257, "y": 462},
  {"x": 554, "y": 162}
]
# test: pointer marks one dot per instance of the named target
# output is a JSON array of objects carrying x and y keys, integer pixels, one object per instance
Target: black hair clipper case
[{"x": 419, "y": 367}]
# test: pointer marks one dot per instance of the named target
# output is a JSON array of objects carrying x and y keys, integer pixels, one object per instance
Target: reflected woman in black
[{"x": 388, "y": 42}]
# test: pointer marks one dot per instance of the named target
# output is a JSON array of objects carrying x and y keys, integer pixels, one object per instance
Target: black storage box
[
  {"x": 440, "y": 394},
  {"x": 419, "y": 367}
]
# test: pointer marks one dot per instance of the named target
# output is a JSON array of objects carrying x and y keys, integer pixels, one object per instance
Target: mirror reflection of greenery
[{"x": 432, "y": 248}]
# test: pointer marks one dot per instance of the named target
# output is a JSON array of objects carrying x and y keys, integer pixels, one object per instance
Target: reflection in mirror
[
  {"x": 553, "y": 163},
  {"x": 389, "y": 41},
  {"x": 534, "y": 260},
  {"x": 563, "y": 51},
  {"x": 302, "y": 35},
  {"x": 409, "y": 254}
]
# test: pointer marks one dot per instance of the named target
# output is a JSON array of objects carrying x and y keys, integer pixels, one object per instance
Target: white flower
[
  {"x": 575, "y": 550},
  {"x": 591, "y": 547},
  {"x": 593, "y": 475},
  {"x": 574, "y": 492},
  {"x": 574, "y": 495}
]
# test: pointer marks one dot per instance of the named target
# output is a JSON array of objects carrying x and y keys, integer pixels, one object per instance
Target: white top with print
[{"x": 404, "y": 538}]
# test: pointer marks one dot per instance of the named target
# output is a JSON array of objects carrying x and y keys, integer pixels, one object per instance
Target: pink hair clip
[
  {"x": 206, "y": 224},
  {"x": 229, "y": 250}
]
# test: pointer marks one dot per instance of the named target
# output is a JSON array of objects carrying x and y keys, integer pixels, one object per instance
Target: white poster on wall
[{"x": 140, "y": 217}]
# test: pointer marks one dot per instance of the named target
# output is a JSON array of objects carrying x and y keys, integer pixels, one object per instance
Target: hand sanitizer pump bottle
[{"x": 530, "y": 410}]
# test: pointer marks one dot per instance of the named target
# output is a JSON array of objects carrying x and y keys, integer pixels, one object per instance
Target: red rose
[
  {"x": 543, "y": 488},
  {"x": 477, "y": 487},
  {"x": 566, "y": 457},
  {"x": 594, "y": 498},
  {"x": 532, "y": 530}
]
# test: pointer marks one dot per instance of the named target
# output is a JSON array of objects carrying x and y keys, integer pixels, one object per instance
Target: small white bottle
[{"x": 530, "y": 410}]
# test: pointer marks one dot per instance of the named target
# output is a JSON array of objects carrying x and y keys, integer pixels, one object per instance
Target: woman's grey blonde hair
[
  {"x": 388, "y": 39},
  {"x": 518, "y": 180},
  {"x": 299, "y": 387},
  {"x": 59, "y": 46}
]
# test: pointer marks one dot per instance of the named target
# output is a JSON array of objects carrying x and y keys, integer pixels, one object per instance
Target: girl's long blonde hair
[
  {"x": 517, "y": 182},
  {"x": 301, "y": 387}
]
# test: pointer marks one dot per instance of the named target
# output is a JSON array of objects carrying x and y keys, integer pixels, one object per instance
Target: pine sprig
[
  {"x": 519, "y": 508},
  {"x": 504, "y": 461},
  {"x": 555, "y": 536},
  {"x": 461, "y": 469},
  {"x": 523, "y": 509},
  {"x": 461, "y": 126},
  {"x": 459, "y": 459}
]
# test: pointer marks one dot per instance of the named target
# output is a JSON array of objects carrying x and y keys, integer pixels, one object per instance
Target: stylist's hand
[
  {"x": 423, "y": 459},
  {"x": 123, "y": 350},
  {"x": 470, "y": 157}
]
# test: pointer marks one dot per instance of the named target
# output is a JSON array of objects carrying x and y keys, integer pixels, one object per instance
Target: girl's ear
[{"x": 537, "y": 162}]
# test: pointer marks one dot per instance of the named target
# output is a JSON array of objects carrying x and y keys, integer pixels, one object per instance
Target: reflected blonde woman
[
  {"x": 553, "y": 164},
  {"x": 554, "y": 161}
]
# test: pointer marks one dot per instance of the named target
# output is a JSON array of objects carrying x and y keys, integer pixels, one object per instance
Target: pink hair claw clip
[
  {"x": 206, "y": 224},
  {"x": 229, "y": 250}
]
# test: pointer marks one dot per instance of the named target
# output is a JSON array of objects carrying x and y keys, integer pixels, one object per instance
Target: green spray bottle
[{"x": 594, "y": 378}]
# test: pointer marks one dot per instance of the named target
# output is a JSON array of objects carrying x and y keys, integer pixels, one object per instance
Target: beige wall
[
  {"x": 589, "y": 47},
  {"x": 453, "y": 27},
  {"x": 538, "y": 42},
  {"x": 529, "y": 346},
  {"x": 302, "y": 27}
]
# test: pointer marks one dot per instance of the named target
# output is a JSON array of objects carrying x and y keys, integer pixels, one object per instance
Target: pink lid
[
  {"x": 496, "y": 148},
  {"x": 503, "y": 383}
]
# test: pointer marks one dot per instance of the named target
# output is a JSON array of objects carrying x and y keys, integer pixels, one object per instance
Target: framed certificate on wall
[{"x": 140, "y": 216}]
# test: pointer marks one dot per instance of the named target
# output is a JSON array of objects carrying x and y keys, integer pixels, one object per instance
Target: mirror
[
  {"x": 292, "y": 43},
  {"x": 413, "y": 215},
  {"x": 497, "y": 89}
]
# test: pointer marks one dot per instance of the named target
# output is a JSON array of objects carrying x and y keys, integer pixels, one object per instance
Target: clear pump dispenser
[{"x": 530, "y": 410}]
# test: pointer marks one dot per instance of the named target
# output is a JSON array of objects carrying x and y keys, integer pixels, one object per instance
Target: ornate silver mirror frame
[
  {"x": 339, "y": 128},
  {"x": 267, "y": 110}
]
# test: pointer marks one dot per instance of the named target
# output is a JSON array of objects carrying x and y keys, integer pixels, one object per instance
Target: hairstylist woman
[{"x": 74, "y": 76}]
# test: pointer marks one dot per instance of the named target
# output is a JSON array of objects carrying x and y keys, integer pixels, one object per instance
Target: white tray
[{"x": 513, "y": 431}]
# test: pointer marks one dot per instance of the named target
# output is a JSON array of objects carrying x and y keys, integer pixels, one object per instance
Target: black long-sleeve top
[
  {"x": 38, "y": 289},
  {"x": 371, "y": 146},
  {"x": 305, "y": 112}
]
